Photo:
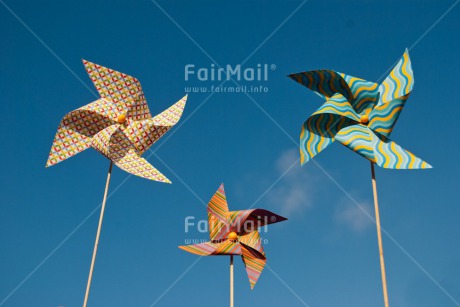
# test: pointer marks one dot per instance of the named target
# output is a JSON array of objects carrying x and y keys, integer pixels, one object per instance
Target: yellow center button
[
  {"x": 364, "y": 120},
  {"x": 121, "y": 118},
  {"x": 232, "y": 236}
]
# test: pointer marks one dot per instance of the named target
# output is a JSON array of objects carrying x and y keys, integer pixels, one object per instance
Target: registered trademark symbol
[
  {"x": 273, "y": 67},
  {"x": 273, "y": 218}
]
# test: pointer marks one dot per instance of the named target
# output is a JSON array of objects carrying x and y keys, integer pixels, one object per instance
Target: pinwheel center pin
[
  {"x": 364, "y": 119},
  {"x": 121, "y": 118},
  {"x": 233, "y": 236}
]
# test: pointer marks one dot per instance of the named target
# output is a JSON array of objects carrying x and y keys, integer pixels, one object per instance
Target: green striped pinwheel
[
  {"x": 235, "y": 233},
  {"x": 359, "y": 114}
]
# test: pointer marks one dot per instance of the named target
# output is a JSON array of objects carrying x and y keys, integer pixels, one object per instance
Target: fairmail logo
[
  {"x": 228, "y": 72},
  {"x": 247, "y": 226}
]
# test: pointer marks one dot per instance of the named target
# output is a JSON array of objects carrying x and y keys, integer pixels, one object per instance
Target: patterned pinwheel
[
  {"x": 118, "y": 125},
  {"x": 360, "y": 115},
  {"x": 235, "y": 233}
]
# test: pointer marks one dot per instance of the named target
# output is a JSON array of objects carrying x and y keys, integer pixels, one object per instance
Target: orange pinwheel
[{"x": 235, "y": 233}]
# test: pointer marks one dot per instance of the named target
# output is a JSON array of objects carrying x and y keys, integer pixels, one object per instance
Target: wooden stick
[
  {"x": 231, "y": 280},
  {"x": 98, "y": 234},
  {"x": 379, "y": 236}
]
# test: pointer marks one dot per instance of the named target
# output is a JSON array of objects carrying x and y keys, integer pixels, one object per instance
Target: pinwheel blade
[
  {"x": 136, "y": 165},
  {"x": 252, "y": 240},
  {"x": 383, "y": 117},
  {"x": 318, "y": 132},
  {"x": 394, "y": 91},
  {"x": 104, "y": 143},
  {"x": 171, "y": 115},
  {"x": 144, "y": 133},
  {"x": 201, "y": 249},
  {"x": 123, "y": 90},
  {"x": 359, "y": 139},
  {"x": 361, "y": 94},
  {"x": 246, "y": 221},
  {"x": 77, "y": 127},
  {"x": 365, "y": 93},
  {"x": 226, "y": 247},
  {"x": 388, "y": 154},
  {"x": 254, "y": 263},
  {"x": 324, "y": 82},
  {"x": 217, "y": 215},
  {"x": 399, "y": 82},
  {"x": 378, "y": 149},
  {"x": 115, "y": 145},
  {"x": 338, "y": 105}
]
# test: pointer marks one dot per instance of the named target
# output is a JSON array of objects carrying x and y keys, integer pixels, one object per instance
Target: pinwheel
[
  {"x": 360, "y": 115},
  {"x": 235, "y": 233},
  {"x": 119, "y": 126}
]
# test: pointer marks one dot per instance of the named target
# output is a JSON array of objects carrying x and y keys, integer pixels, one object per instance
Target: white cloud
[
  {"x": 294, "y": 191},
  {"x": 354, "y": 217},
  {"x": 300, "y": 187}
]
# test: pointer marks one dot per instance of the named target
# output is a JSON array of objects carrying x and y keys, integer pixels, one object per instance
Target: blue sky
[{"x": 326, "y": 253}]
